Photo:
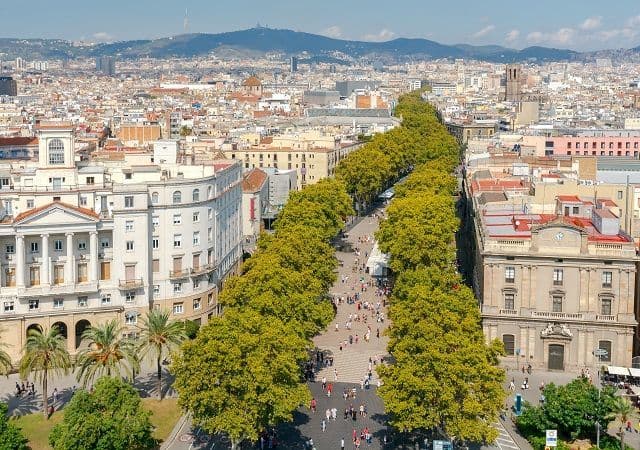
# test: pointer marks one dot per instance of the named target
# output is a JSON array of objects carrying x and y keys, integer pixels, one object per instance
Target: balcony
[
  {"x": 57, "y": 289},
  {"x": 201, "y": 270},
  {"x": 178, "y": 274},
  {"x": 557, "y": 315},
  {"x": 508, "y": 312},
  {"x": 132, "y": 283},
  {"x": 605, "y": 318}
]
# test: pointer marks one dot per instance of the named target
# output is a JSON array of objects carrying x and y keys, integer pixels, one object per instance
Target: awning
[
  {"x": 616, "y": 370},
  {"x": 634, "y": 372}
]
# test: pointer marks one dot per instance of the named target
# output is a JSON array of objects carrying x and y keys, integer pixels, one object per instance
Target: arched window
[
  {"x": 56, "y": 151},
  {"x": 196, "y": 195},
  {"x": 509, "y": 342},
  {"x": 154, "y": 198},
  {"x": 177, "y": 197},
  {"x": 210, "y": 192}
]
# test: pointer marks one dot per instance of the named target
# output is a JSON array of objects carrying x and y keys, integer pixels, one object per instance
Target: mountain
[{"x": 266, "y": 40}]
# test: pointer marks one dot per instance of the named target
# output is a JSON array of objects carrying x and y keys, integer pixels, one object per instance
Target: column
[
  {"x": 68, "y": 276},
  {"x": 20, "y": 258},
  {"x": 93, "y": 256},
  {"x": 45, "y": 278}
]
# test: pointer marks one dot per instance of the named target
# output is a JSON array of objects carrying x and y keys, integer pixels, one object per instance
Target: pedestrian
[
  {"x": 378, "y": 333},
  {"x": 328, "y": 414},
  {"x": 324, "y": 425},
  {"x": 55, "y": 394},
  {"x": 329, "y": 389},
  {"x": 313, "y": 405},
  {"x": 342, "y": 444},
  {"x": 335, "y": 374},
  {"x": 334, "y": 413},
  {"x": 324, "y": 383}
]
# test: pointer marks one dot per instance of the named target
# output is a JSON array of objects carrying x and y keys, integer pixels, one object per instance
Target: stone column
[
  {"x": 93, "y": 256},
  {"x": 69, "y": 275},
  {"x": 20, "y": 261},
  {"x": 45, "y": 278}
]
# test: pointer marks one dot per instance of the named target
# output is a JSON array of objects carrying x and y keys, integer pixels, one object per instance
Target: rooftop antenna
[{"x": 186, "y": 21}]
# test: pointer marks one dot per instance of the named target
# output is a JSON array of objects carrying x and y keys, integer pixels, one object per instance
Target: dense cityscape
[{"x": 276, "y": 239}]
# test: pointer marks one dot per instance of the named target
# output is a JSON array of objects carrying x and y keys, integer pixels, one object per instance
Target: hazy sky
[{"x": 576, "y": 24}]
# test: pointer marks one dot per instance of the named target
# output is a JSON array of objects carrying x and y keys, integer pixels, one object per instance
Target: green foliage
[
  {"x": 110, "y": 418},
  {"x": 108, "y": 353},
  {"x": 242, "y": 374},
  {"x": 191, "y": 329},
  {"x": 45, "y": 352},
  {"x": 5, "y": 359},
  {"x": 11, "y": 436},
  {"x": 572, "y": 409}
]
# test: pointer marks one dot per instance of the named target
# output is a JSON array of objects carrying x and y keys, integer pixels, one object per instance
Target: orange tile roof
[
  {"x": 31, "y": 212},
  {"x": 253, "y": 180}
]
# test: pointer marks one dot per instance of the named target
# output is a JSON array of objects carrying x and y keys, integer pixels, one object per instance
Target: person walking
[
  {"x": 324, "y": 425},
  {"x": 313, "y": 405},
  {"x": 342, "y": 444},
  {"x": 335, "y": 374}
]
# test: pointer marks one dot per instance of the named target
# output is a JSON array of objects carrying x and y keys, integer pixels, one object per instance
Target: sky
[{"x": 575, "y": 24}]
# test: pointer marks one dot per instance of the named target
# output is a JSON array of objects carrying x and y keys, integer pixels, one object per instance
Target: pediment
[{"x": 56, "y": 214}]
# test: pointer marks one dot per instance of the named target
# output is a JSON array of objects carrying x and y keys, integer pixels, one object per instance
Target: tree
[
  {"x": 622, "y": 410},
  {"x": 5, "y": 359},
  {"x": 108, "y": 353},
  {"x": 241, "y": 374},
  {"x": 109, "y": 418},
  {"x": 45, "y": 352},
  {"x": 11, "y": 436},
  {"x": 160, "y": 336}
]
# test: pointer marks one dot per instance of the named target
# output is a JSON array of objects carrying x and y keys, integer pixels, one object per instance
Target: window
[
  {"x": 196, "y": 303},
  {"x": 196, "y": 238},
  {"x": 105, "y": 270},
  {"x": 196, "y": 284},
  {"x": 34, "y": 247},
  {"x": 82, "y": 302},
  {"x": 209, "y": 234},
  {"x": 30, "y": 203},
  {"x": 576, "y": 210},
  {"x": 196, "y": 217},
  {"x": 58, "y": 274},
  {"x": 509, "y": 301},
  {"x": 130, "y": 296},
  {"x": 556, "y": 303},
  {"x": 128, "y": 201},
  {"x": 210, "y": 192},
  {"x": 558, "y": 277},
  {"x": 509, "y": 274},
  {"x": 178, "y": 308},
  {"x": 177, "y": 288},
  {"x": 509, "y": 342},
  {"x": 155, "y": 265},
  {"x": 606, "y": 346},
  {"x": 57, "y": 245},
  {"x": 129, "y": 246},
  {"x": 619, "y": 195},
  {"x": 195, "y": 196},
  {"x": 155, "y": 221},
  {"x": 34, "y": 304},
  {"x": 105, "y": 300},
  {"x": 605, "y": 306},
  {"x": 82, "y": 245},
  {"x": 209, "y": 299},
  {"x": 58, "y": 302},
  {"x": 177, "y": 197},
  {"x": 155, "y": 243},
  {"x": 10, "y": 248},
  {"x": 104, "y": 242},
  {"x": 128, "y": 175},
  {"x": 606, "y": 279},
  {"x": 10, "y": 276},
  {"x": 177, "y": 219},
  {"x": 156, "y": 290},
  {"x": 91, "y": 180},
  {"x": 177, "y": 240},
  {"x": 34, "y": 276},
  {"x": 154, "y": 198},
  {"x": 83, "y": 200},
  {"x": 131, "y": 318},
  {"x": 9, "y": 307},
  {"x": 210, "y": 213},
  {"x": 82, "y": 273},
  {"x": 128, "y": 226},
  {"x": 56, "y": 152}
]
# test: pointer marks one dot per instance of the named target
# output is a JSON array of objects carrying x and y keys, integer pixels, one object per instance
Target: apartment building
[
  {"x": 83, "y": 240},
  {"x": 555, "y": 286}
]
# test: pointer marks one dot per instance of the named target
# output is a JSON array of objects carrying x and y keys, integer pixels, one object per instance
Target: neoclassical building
[
  {"x": 556, "y": 287},
  {"x": 84, "y": 239}
]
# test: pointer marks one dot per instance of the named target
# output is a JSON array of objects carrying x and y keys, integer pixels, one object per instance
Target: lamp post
[{"x": 598, "y": 353}]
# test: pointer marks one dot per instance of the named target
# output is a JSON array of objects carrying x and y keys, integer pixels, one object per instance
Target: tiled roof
[
  {"x": 6, "y": 141},
  {"x": 34, "y": 211},
  {"x": 253, "y": 180}
]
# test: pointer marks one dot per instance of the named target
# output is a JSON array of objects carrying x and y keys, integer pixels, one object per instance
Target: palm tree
[
  {"x": 5, "y": 359},
  {"x": 45, "y": 352},
  {"x": 622, "y": 410},
  {"x": 160, "y": 336},
  {"x": 108, "y": 353}
]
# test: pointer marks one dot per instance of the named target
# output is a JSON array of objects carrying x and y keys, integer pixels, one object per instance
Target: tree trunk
[
  {"x": 622, "y": 438},
  {"x": 159, "y": 377},
  {"x": 234, "y": 444},
  {"x": 45, "y": 395}
]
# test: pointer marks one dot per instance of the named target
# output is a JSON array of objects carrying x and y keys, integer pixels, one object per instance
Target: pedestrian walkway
[{"x": 504, "y": 441}]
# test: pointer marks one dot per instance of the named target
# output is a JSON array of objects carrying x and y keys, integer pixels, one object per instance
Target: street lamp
[{"x": 599, "y": 353}]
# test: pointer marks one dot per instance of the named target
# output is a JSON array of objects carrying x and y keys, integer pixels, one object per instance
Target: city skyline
[{"x": 592, "y": 26}]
